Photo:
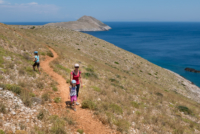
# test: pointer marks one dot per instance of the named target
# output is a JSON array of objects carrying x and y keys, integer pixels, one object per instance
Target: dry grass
[{"x": 121, "y": 88}]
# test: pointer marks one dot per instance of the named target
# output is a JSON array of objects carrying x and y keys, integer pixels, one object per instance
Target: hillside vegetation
[
  {"x": 122, "y": 89},
  {"x": 24, "y": 94}
]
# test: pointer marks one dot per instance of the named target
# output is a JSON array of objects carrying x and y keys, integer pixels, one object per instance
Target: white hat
[{"x": 76, "y": 65}]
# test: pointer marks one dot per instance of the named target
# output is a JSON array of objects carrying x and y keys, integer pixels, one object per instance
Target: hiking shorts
[
  {"x": 73, "y": 98},
  {"x": 36, "y": 64}
]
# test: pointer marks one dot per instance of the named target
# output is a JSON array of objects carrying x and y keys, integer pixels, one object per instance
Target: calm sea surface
[{"x": 171, "y": 45}]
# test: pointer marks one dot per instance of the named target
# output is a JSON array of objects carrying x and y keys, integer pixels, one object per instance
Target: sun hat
[
  {"x": 35, "y": 52},
  {"x": 76, "y": 65},
  {"x": 73, "y": 81}
]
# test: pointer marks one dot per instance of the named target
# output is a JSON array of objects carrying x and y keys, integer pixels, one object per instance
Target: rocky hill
[
  {"x": 123, "y": 91},
  {"x": 85, "y": 23}
]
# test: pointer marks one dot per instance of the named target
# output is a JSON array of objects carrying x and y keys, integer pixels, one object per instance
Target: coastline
[{"x": 192, "y": 91}]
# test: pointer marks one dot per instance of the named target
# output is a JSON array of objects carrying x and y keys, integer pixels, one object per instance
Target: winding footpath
[{"x": 83, "y": 117}]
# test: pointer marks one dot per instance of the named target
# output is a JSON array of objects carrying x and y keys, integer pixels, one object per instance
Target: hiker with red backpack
[{"x": 76, "y": 75}]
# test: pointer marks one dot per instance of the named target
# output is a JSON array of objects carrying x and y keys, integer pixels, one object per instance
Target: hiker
[
  {"x": 37, "y": 61},
  {"x": 73, "y": 94},
  {"x": 76, "y": 75}
]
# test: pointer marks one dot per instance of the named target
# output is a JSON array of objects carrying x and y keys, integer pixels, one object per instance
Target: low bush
[
  {"x": 45, "y": 96},
  {"x": 184, "y": 109},
  {"x": 96, "y": 89},
  {"x": 33, "y": 27},
  {"x": 63, "y": 68},
  {"x": 116, "y": 109},
  {"x": 89, "y": 104},
  {"x": 40, "y": 115},
  {"x": 2, "y": 108},
  {"x": 30, "y": 71},
  {"x": 2, "y": 132},
  {"x": 25, "y": 97},
  {"x": 80, "y": 131},
  {"x": 116, "y": 62},
  {"x": 69, "y": 120},
  {"x": 113, "y": 80},
  {"x": 14, "y": 88},
  {"x": 50, "y": 54},
  {"x": 90, "y": 75},
  {"x": 135, "y": 104},
  {"x": 68, "y": 81},
  {"x": 122, "y": 125},
  {"x": 55, "y": 88},
  {"x": 57, "y": 100},
  {"x": 58, "y": 125},
  {"x": 159, "y": 94}
]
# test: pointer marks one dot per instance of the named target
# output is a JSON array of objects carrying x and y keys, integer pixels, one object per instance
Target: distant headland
[{"x": 85, "y": 23}]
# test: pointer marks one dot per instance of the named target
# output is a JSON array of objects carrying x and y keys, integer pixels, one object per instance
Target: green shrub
[
  {"x": 45, "y": 96},
  {"x": 135, "y": 104},
  {"x": 122, "y": 125},
  {"x": 96, "y": 89},
  {"x": 68, "y": 81},
  {"x": 57, "y": 100},
  {"x": 113, "y": 80},
  {"x": 50, "y": 54},
  {"x": 63, "y": 68},
  {"x": 90, "y": 68},
  {"x": 33, "y": 27},
  {"x": 30, "y": 71},
  {"x": 41, "y": 114},
  {"x": 184, "y": 109},
  {"x": 90, "y": 75},
  {"x": 32, "y": 94},
  {"x": 2, "y": 132},
  {"x": 159, "y": 94},
  {"x": 58, "y": 125},
  {"x": 2, "y": 108},
  {"x": 116, "y": 109},
  {"x": 55, "y": 88},
  {"x": 43, "y": 53},
  {"x": 89, "y": 104},
  {"x": 14, "y": 88},
  {"x": 26, "y": 98},
  {"x": 116, "y": 62},
  {"x": 69, "y": 120},
  {"x": 80, "y": 131}
]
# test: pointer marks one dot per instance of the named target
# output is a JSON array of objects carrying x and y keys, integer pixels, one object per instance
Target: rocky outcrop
[
  {"x": 192, "y": 70},
  {"x": 85, "y": 23},
  {"x": 14, "y": 114}
]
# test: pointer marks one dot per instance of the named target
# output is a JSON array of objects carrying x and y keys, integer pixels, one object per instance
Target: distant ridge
[{"x": 85, "y": 23}]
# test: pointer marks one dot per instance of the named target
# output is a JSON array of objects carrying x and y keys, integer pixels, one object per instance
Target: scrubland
[
  {"x": 123, "y": 90},
  {"x": 35, "y": 90}
]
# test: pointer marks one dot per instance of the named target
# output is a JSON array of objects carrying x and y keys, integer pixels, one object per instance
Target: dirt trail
[{"x": 83, "y": 117}]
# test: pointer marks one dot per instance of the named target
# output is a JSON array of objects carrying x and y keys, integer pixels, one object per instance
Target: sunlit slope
[{"x": 124, "y": 90}]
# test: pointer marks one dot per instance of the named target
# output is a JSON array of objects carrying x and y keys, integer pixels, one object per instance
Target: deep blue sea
[{"x": 171, "y": 45}]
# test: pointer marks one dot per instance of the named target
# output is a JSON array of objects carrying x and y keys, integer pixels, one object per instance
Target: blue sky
[{"x": 104, "y": 10}]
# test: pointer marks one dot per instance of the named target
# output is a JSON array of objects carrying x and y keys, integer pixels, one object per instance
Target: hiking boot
[{"x": 77, "y": 103}]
